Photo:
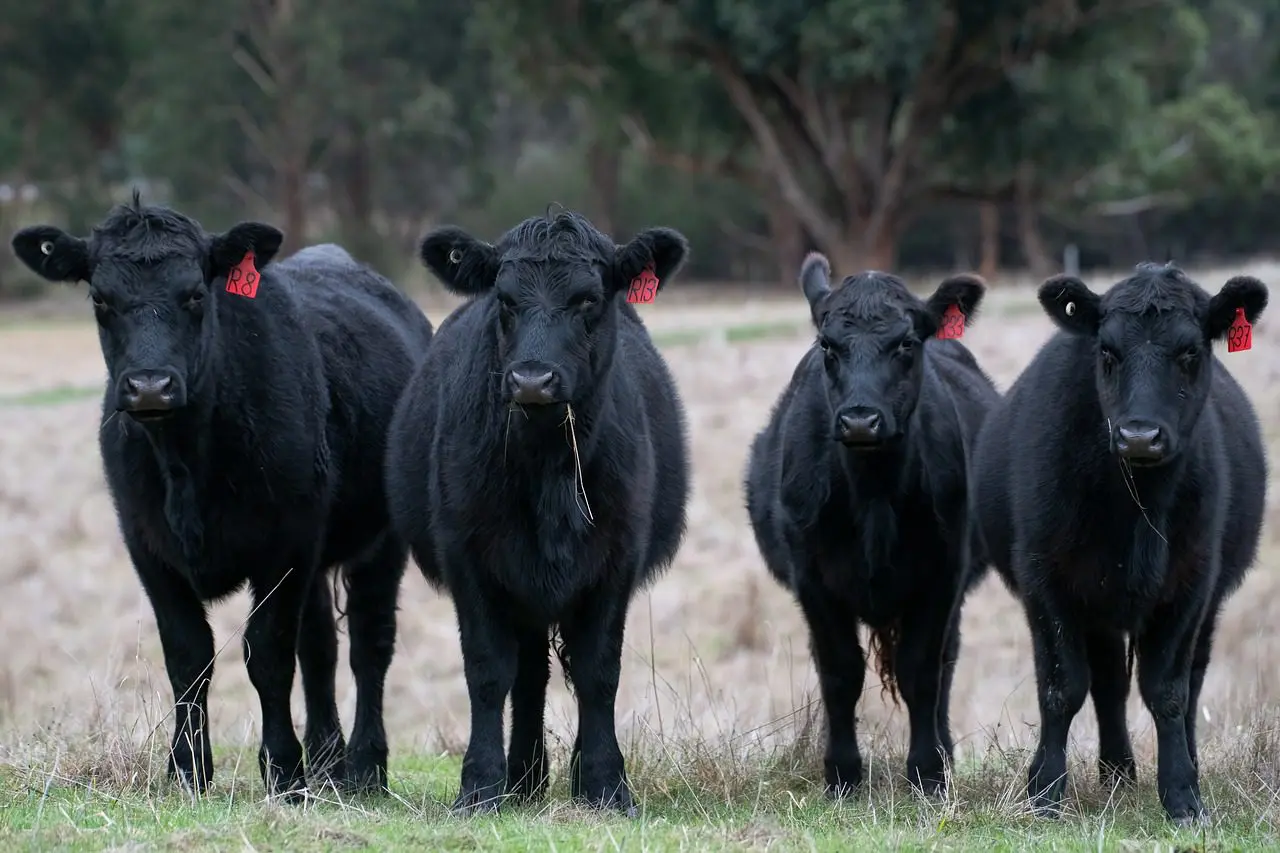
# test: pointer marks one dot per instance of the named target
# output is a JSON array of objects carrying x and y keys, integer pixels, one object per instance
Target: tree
[
  {"x": 303, "y": 100},
  {"x": 843, "y": 97}
]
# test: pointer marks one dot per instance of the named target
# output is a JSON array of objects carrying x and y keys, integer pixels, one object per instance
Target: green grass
[
  {"x": 53, "y": 396},
  {"x": 685, "y": 804}
]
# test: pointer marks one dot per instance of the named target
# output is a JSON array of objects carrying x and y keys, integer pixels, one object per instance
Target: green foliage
[{"x": 366, "y": 122}]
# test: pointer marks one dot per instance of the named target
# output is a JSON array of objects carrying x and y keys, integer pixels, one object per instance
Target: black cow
[
  {"x": 243, "y": 432},
  {"x": 856, "y": 491},
  {"x": 538, "y": 467},
  {"x": 1120, "y": 489}
]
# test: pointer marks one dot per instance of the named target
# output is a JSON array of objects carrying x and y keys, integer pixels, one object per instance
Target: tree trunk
[
  {"x": 353, "y": 182},
  {"x": 787, "y": 236},
  {"x": 291, "y": 202},
  {"x": 989, "y": 230},
  {"x": 1033, "y": 248},
  {"x": 854, "y": 255},
  {"x": 604, "y": 168}
]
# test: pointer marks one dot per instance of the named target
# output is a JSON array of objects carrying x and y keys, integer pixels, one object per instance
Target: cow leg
[
  {"x": 1166, "y": 651},
  {"x": 270, "y": 646},
  {"x": 187, "y": 641},
  {"x": 924, "y": 663},
  {"x": 838, "y": 658},
  {"x": 373, "y": 587},
  {"x": 527, "y": 773},
  {"x": 593, "y": 655},
  {"x": 1204, "y": 645},
  {"x": 1109, "y": 677},
  {"x": 1062, "y": 682},
  {"x": 318, "y": 665},
  {"x": 489, "y": 661}
]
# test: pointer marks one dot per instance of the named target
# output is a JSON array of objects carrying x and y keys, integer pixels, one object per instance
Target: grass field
[{"x": 717, "y": 703}]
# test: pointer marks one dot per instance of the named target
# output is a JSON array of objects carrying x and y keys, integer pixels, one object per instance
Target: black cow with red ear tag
[
  {"x": 856, "y": 491},
  {"x": 1120, "y": 489},
  {"x": 242, "y": 436},
  {"x": 538, "y": 466}
]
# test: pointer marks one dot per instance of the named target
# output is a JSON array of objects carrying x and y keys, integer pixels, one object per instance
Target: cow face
[
  {"x": 554, "y": 286},
  {"x": 1152, "y": 337},
  {"x": 150, "y": 274},
  {"x": 872, "y": 333}
]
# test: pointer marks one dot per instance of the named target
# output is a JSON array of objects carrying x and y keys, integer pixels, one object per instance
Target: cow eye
[
  {"x": 195, "y": 298},
  {"x": 906, "y": 345},
  {"x": 825, "y": 346},
  {"x": 585, "y": 300},
  {"x": 1188, "y": 356},
  {"x": 1109, "y": 358},
  {"x": 98, "y": 301}
]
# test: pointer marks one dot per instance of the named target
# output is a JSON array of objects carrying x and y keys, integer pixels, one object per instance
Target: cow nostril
[
  {"x": 535, "y": 388},
  {"x": 149, "y": 384}
]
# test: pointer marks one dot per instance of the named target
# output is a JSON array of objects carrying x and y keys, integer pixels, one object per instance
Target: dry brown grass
[{"x": 716, "y": 664}]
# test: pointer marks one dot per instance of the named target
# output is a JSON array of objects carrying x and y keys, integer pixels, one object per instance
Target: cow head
[
  {"x": 555, "y": 287},
  {"x": 872, "y": 332},
  {"x": 151, "y": 273},
  {"x": 1152, "y": 335}
]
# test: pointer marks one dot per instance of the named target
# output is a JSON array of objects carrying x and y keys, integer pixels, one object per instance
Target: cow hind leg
[
  {"x": 1109, "y": 687},
  {"x": 527, "y": 772},
  {"x": 373, "y": 587},
  {"x": 318, "y": 663}
]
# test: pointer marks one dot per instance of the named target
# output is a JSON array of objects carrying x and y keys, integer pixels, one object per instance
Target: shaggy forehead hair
[
  {"x": 139, "y": 233},
  {"x": 1156, "y": 288},
  {"x": 566, "y": 236},
  {"x": 869, "y": 296}
]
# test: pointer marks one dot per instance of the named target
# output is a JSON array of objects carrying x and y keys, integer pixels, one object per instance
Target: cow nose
[
  {"x": 1140, "y": 441},
  {"x": 531, "y": 390},
  {"x": 149, "y": 392},
  {"x": 860, "y": 426}
]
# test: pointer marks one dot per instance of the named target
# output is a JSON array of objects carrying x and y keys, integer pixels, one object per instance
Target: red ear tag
[
  {"x": 644, "y": 287},
  {"x": 1240, "y": 335},
  {"x": 952, "y": 327},
  {"x": 243, "y": 278}
]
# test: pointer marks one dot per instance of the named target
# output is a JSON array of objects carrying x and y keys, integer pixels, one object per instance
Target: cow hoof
[
  {"x": 365, "y": 774},
  {"x": 477, "y": 801},
  {"x": 1184, "y": 808},
  {"x": 928, "y": 780},
  {"x": 1116, "y": 774},
  {"x": 618, "y": 800},
  {"x": 930, "y": 786}
]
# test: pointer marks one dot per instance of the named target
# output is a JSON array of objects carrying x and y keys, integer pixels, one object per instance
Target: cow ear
[
  {"x": 665, "y": 248},
  {"x": 964, "y": 291},
  {"x": 53, "y": 254},
  {"x": 1244, "y": 292},
  {"x": 229, "y": 249},
  {"x": 465, "y": 266},
  {"x": 1071, "y": 304},
  {"x": 815, "y": 283}
]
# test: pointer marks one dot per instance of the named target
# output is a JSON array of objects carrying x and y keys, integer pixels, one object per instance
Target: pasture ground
[{"x": 718, "y": 705}]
